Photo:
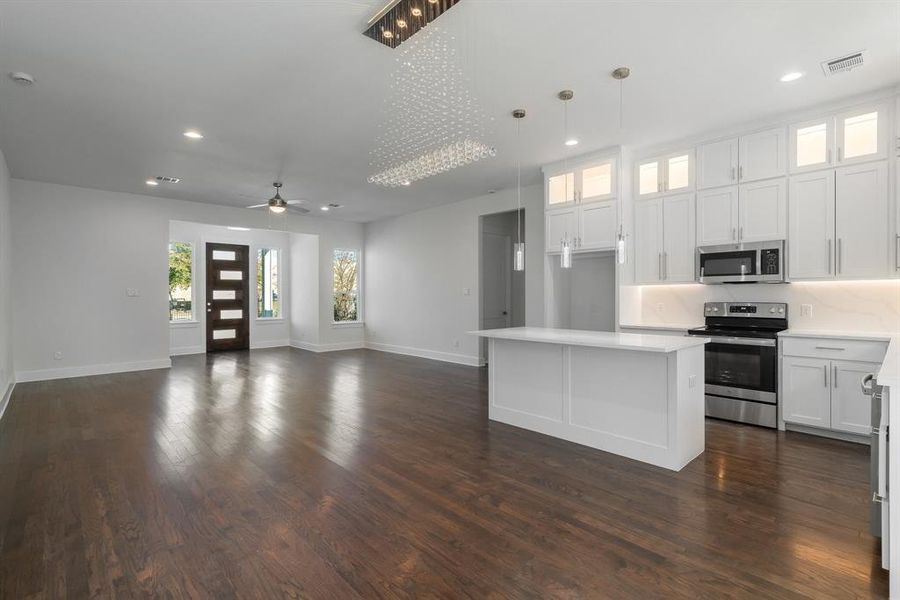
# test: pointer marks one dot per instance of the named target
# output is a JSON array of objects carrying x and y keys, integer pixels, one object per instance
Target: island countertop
[{"x": 595, "y": 339}]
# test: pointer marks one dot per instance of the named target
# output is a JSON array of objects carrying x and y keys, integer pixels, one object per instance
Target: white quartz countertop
[
  {"x": 661, "y": 327},
  {"x": 595, "y": 339}
]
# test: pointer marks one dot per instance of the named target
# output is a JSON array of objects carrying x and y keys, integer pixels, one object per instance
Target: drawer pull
[{"x": 829, "y": 348}]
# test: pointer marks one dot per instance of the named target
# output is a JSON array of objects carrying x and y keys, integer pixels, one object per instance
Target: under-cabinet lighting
[{"x": 238, "y": 228}]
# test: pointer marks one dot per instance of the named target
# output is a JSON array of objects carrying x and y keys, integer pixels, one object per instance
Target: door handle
[
  {"x": 741, "y": 172},
  {"x": 829, "y": 156},
  {"x": 897, "y": 255},
  {"x": 834, "y": 377},
  {"x": 840, "y": 255},
  {"x": 734, "y": 234},
  {"x": 732, "y": 173},
  {"x": 659, "y": 266},
  {"x": 828, "y": 254},
  {"x": 665, "y": 265},
  {"x": 741, "y": 233},
  {"x": 825, "y": 375}
]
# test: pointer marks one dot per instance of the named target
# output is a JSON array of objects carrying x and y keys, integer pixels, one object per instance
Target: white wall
[
  {"x": 78, "y": 249},
  {"x": 7, "y": 376},
  {"x": 418, "y": 265},
  {"x": 304, "y": 298},
  {"x": 190, "y": 338},
  {"x": 506, "y": 223},
  {"x": 846, "y": 305}
]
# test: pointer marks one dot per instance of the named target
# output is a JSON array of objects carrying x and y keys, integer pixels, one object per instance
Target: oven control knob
[
  {"x": 772, "y": 310},
  {"x": 781, "y": 310}
]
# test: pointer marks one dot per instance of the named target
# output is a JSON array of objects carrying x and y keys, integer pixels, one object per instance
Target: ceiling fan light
[{"x": 275, "y": 208}]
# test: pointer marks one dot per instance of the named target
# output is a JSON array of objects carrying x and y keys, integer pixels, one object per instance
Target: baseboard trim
[
  {"x": 269, "y": 344},
  {"x": 4, "y": 402},
  {"x": 835, "y": 435},
  {"x": 86, "y": 370},
  {"x": 459, "y": 359},
  {"x": 335, "y": 347},
  {"x": 186, "y": 350}
]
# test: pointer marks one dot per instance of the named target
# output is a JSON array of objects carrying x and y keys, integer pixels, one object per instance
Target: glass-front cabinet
[
  {"x": 848, "y": 137},
  {"x": 582, "y": 182},
  {"x": 663, "y": 174}
]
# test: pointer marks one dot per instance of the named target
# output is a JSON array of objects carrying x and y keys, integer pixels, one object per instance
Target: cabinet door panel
[
  {"x": 560, "y": 189},
  {"x": 763, "y": 211},
  {"x": 862, "y": 216},
  {"x": 807, "y": 395},
  {"x": 717, "y": 216},
  {"x": 763, "y": 155},
  {"x": 717, "y": 163},
  {"x": 811, "y": 206},
  {"x": 598, "y": 226},
  {"x": 862, "y": 134},
  {"x": 648, "y": 178},
  {"x": 810, "y": 144},
  {"x": 597, "y": 181},
  {"x": 560, "y": 224},
  {"x": 851, "y": 410},
  {"x": 647, "y": 241},
  {"x": 678, "y": 238}
]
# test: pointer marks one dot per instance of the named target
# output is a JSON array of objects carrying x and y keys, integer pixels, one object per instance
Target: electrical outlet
[
  {"x": 57, "y": 355},
  {"x": 806, "y": 310},
  {"x": 467, "y": 291},
  {"x": 692, "y": 381},
  {"x": 659, "y": 307},
  {"x": 132, "y": 292}
]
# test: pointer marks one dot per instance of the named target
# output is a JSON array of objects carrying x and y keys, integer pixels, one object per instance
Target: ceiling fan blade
[
  {"x": 258, "y": 205},
  {"x": 298, "y": 201},
  {"x": 298, "y": 209}
]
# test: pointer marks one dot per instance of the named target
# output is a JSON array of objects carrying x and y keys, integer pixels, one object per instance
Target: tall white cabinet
[
  {"x": 664, "y": 239},
  {"x": 581, "y": 205}
]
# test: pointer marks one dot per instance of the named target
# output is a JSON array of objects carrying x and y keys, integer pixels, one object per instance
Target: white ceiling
[{"x": 293, "y": 90}]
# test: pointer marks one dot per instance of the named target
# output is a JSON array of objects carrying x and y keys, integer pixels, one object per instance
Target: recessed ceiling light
[
  {"x": 325, "y": 208},
  {"x": 238, "y": 228},
  {"x": 432, "y": 1},
  {"x": 572, "y": 142},
  {"x": 388, "y": 34},
  {"x": 792, "y": 76},
  {"x": 416, "y": 12},
  {"x": 151, "y": 182},
  {"x": 193, "y": 134},
  {"x": 22, "y": 78},
  {"x": 401, "y": 23}
]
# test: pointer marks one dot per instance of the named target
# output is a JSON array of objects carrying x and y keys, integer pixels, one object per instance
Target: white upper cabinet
[
  {"x": 664, "y": 239},
  {"x": 560, "y": 189},
  {"x": 561, "y": 224},
  {"x": 662, "y": 174},
  {"x": 717, "y": 163},
  {"x": 862, "y": 221},
  {"x": 596, "y": 181},
  {"x": 811, "y": 253},
  {"x": 762, "y": 155},
  {"x": 763, "y": 210},
  {"x": 717, "y": 216},
  {"x": 598, "y": 226},
  {"x": 852, "y": 136},
  {"x": 862, "y": 134},
  {"x": 648, "y": 238}
]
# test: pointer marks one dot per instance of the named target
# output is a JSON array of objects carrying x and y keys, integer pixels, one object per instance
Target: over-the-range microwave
[{"x": 756, "y": 262}]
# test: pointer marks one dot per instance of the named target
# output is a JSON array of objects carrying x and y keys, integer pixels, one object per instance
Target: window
[
  {"x": 345, "y": 268},
  {"x": 268, "y": 290},
  {"x": 181, "y": 263}
]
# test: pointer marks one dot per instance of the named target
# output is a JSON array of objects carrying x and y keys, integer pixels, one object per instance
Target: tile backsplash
[{"x": 838, "y": 305}]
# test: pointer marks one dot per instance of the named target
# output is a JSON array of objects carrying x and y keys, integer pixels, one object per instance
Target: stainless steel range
[{"x": 742, "y": 360}]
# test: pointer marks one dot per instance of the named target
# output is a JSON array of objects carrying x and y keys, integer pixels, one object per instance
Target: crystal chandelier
[
  {"x": 454, "y": 154},
  {"x": 432, "y": 122}
]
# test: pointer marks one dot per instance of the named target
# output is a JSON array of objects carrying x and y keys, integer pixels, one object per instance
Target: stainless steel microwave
[{"x": 757, "y": 262}]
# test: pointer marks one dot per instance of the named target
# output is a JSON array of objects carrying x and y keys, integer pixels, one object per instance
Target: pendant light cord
[{"x": 518, "y": 182}]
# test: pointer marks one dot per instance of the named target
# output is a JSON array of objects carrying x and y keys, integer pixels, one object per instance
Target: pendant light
[
  {"x": 519, "y": 246},
  {"x": 565, "y": 253},
  {"x": 620, "y": 75}
]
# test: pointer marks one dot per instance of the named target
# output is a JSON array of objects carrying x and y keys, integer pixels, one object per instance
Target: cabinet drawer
[{"x": 832, "y": 348}]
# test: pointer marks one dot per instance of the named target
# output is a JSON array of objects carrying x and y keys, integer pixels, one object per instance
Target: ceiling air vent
[
  {"x": 164, "y": 179},
  {"x": 844, "y": 63}
]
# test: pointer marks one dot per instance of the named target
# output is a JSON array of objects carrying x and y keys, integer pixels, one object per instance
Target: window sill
[
  {"x": 183, "y": 324},
  {"x": 349, "y": 324},
  {"x": 269, "y": 319}
]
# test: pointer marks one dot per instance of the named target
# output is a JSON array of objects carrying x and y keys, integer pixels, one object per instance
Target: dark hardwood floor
[{"x": 359, "y": 474}]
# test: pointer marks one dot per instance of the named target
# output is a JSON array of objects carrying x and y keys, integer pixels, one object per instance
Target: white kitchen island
[{"x": 639, "y": 396}]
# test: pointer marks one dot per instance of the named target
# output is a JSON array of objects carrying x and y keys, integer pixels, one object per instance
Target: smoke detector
[
  {"x": 22, "y": 78},
  {"x": 844, "y": 63}
]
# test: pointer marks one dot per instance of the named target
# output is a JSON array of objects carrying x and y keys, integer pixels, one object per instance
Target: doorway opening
[{"x": 502, "y": 290}]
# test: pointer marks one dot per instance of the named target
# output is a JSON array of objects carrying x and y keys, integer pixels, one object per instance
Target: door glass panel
[
  {"x": 231, "y": 275},
  {"x": 596, "y": 181},
  {"x": 231, "y": 314},
  {"x": 224, "y": 334},
  {"x": 224, "y": 255},
  {"x": 223, "y": 295},
  {"x": 679, "y": 172},
  {"x": 561, "y": 188},
  {"x": 648, "y": 174},
  {"x": 811, "y": 145},
  {"x": 861, "y": 135}
]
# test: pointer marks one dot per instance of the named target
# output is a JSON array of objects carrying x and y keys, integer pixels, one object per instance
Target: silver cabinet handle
[
  {"x": 741, "y": 233},
  {"x": 828, "y": 254},
  {"x": 734, "y": 234},
  {"x": 659, "y": 266},
  {"x": 867, "y": 389},
  {"x": 741, "y": 172},
  {"x": 732, "y": 173},
  {"x": 665, "y": 265},
  {"x": 825, "y": 375},
  {"x": 877, "y": 498},
  {"x": 840, "y": 256},
  {"x": 830, "y": 348},
  {"x": 840, "y": 154},
  {"x": 897, "y": 255},
  {"x": 834, "y": 377},
  {"x": 829, "y": 156}
]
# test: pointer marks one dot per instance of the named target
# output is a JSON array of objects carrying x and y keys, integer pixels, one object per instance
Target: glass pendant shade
[
  {"x": 565, "y": 256},
  {"x": 519, "y": 256},
  {"x": 620, "y": 250}
]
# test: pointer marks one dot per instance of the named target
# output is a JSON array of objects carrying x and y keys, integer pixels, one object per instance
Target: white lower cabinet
[{"x": 823, "y": 391}]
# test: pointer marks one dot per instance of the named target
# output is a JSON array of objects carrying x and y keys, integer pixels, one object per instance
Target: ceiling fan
[{"x": 278, "y": 205}]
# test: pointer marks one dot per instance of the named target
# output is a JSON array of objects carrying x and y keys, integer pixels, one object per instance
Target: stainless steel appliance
[
  {"x": 879, "y": 453},
  {"x": 742, "y": 360},
  {"x": 757, "y": 262}
]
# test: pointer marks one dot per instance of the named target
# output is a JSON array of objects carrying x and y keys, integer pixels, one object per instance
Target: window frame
[
  {"x": 359, "y": 284},
  {"x": 193, "y": 320},
  {"x": 281, "y": 297}
]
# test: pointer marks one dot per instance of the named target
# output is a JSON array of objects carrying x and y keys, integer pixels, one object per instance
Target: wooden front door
[{"x": 227, "y": 297}]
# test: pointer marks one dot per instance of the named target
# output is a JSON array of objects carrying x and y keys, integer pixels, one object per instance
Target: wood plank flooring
[{"x": 282, "y": 473}]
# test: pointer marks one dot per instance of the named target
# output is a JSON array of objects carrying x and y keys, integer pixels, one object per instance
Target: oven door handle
[{"x": 737, "y": 341}]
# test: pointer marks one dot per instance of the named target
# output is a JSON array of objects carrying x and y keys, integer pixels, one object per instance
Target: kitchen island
[{"x": 639, "y": 396}]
